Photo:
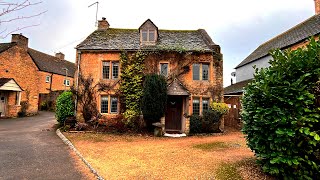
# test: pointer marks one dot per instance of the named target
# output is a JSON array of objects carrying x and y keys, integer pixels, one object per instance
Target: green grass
[
  {"x": 212, "y": 146},
  {"x": 228, "y": 171}
]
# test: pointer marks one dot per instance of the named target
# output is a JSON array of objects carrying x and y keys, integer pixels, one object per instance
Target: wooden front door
[
  {"x": 174, "y": 113},
  {"x": 3, "y": 101}
]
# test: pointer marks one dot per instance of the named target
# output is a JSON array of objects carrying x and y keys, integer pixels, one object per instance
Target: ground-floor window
[
  {"x": 200, "y": 104},
  {"x": 196, "y": 106},
  {"x": 107, "y": 101}
]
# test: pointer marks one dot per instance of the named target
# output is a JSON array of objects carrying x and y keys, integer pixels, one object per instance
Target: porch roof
[
  {"x": 176, "y": 88},
  {"x": 9, "y": 84}
]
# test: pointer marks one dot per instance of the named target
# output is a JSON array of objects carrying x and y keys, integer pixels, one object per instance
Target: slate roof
[
  {"x": 300, "y": 32},
  {"x": 51, "y": 64},
  {"x": 129, "y": 39},
  {"x": 236, "y": 88},
  {"x": 5, "y": 46}
]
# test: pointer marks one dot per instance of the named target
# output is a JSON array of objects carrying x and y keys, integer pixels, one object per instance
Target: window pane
[
  {"x": 205, "y": 104},
  {"x": 196, "y": 106},
  {"x": 47, "y": 78},
  {"x": 115, "y": 70},
  {"x": 164, "y": 69},
  {"x": 114, "y": 104},
  {"x": 106, "y": 70},
  {"x": 151, "y": 35},
  {"x": 196, "y": 71},
  {"x": 144, "y": 34},
  {"x": 205, "y": 71},
  {"x": 104, "y": 104}
]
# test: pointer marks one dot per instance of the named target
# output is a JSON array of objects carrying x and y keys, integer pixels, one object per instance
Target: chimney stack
[
  {"x": 317, "y": 6},
  {"x": 21, "y": 40},
  {"x": 60, "y": 55},
  {"x": 103, "y": 24}
]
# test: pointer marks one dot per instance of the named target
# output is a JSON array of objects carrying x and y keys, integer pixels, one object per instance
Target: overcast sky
[{"x": 239, "y": 27}]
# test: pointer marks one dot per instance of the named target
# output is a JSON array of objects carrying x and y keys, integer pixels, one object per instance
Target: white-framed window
[
  {"x": 48, "y": 78},
  {"x": 110, "y": 70},
  {"x": 109, "y": 104},
  {"x": 148, "y": 35},
  {"x": 66, "y": 82},
  {"x": 200, "y": 71},
  {"x": 164, "y": 69}
]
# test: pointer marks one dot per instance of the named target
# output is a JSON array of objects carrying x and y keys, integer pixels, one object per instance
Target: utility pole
[{"x": 97, "y": 3}]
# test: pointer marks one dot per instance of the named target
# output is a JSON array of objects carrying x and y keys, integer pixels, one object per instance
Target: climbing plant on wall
[{"x": 132, "y": 66}]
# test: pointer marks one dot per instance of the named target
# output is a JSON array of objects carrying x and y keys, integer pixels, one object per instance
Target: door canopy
[
  {"x": 9, "y": 84},
  {"x": 175, "y": 88}
]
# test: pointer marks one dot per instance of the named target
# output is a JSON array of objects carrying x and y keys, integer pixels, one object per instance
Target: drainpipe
[{"x": 77, "y": 84}]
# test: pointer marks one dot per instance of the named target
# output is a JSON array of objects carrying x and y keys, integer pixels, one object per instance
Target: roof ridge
[{"x": 291, "y": 29}]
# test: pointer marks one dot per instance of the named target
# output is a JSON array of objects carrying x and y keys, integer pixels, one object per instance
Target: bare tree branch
[{"x": 8, "y": 11}]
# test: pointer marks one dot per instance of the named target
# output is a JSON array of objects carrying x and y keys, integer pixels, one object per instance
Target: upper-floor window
[
  {"x": 66, "y": 82},
  {"x": 148, "y": 35},
  {"x": 200, "y": 71},
  {"x": 48, "y": 79},
  {"x": 164, "y": 69},
  {"x": 110, "y": 70}
]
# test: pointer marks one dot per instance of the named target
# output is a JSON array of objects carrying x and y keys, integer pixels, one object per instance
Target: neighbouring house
[
  {"x": 26, "y": 73},
  {"x": 293, "y": 38},
  {"x": 189, "y": 59}
]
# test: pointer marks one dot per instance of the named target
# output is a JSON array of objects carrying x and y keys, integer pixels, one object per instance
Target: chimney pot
[
  {"x": 21, "y": 40},
  {"x": 103, "y": 24},
  {"x": 317, "y": 6},
  {"x": 60, "y": 55}
]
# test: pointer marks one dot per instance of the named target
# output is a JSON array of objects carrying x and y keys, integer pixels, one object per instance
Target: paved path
[{"x": 30, "y": 149}]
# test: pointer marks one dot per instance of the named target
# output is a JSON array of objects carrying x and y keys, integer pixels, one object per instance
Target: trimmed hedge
[
  {"x": 281, "y": 114},
  {"x": 64, "y": 107}
]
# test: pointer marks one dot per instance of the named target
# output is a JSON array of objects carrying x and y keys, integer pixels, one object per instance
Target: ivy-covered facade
[{"x": 190, "y": 61}]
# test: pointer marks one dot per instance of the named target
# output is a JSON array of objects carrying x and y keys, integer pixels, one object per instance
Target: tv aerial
[{"x": 97, "y": 3}]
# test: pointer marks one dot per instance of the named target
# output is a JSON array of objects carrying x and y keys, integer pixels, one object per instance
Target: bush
[
  {"x": 64, "y": 107},
  {"x": 154, "y": 98},
  {"x": 281, "y": 114},
  {"x": 220, "y": 108},
  {"x": 81, "y": 126},
  {"x": 195, "y": 124},
  {"x": 23, "y": 110},
  {"x": 211, "y": 121}
]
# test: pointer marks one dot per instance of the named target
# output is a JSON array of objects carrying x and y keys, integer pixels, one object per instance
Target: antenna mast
[{"x": 96, "y": 24}]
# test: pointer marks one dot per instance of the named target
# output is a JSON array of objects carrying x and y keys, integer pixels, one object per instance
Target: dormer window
[{"x": 148, "y": 33}]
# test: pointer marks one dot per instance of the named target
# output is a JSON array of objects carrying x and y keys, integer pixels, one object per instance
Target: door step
[{"x": 175, "y": 135}]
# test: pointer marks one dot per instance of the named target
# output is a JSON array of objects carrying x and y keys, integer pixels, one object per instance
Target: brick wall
[
  {"x": 16, "y": 63},
  {"x": 91, "y": 64},
  {"x": 57, "y": 82}
]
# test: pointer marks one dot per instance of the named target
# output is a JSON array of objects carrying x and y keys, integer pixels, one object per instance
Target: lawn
[{"x": 145, "y": 157}]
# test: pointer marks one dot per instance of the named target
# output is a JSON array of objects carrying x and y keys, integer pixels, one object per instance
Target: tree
[
  {"x": 154, "y": 98},
  {"x": 12, "y": 12},
  {"x": 281, "y": 114}
]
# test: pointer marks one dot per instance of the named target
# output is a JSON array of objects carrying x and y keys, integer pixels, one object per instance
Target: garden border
[{"x": 71, "y": 146}]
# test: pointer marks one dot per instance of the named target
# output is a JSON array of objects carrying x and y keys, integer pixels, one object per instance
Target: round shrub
[
  {"x": 64, "y": 106},
  {"x": 154, "y": 98},
  {"x": 281, "y": 114},
  {"x": 195, "y": 124},
  {"x": 211, "y": 121}
]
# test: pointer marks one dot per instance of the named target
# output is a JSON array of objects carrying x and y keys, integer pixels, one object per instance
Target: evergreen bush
[{"x": 64, "y": 107}]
